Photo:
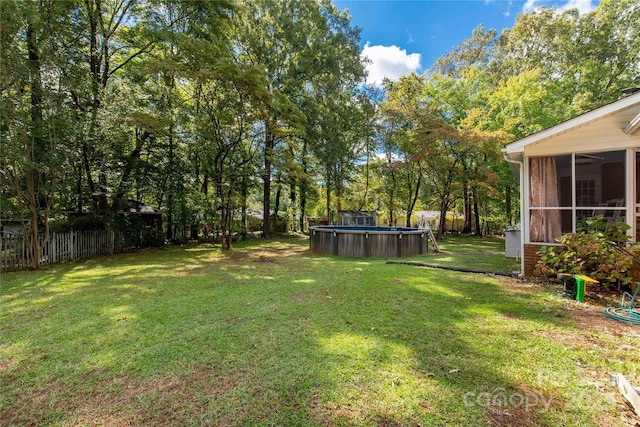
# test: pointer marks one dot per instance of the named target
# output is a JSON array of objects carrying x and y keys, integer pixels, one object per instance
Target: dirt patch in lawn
[
  {"x": 615, "y": 340},
  {"x": 592, "y": 317},
  {"x": 301, "y": 297},
  {"x": 164, "y": 400},
  {"x": 267, "y": 254},
  {"x": 500, "y": 416},
  {"x": 589, "y": 314}
]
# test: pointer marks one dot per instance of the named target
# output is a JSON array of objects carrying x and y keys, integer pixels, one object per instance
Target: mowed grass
[
  {"x": 270, "y": 334},
  {"x": 483, "y": 254}
]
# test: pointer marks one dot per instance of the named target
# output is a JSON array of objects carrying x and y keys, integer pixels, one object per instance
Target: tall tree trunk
[
  {"x": 35, "y": 150},
  {"x": 303, "y": 186},
  {"x": 226, "y": 211},
  {"x": 130, "y": 167},
  {"x": 414, "y": 197},
  {"x": 79, "y": 188},
  {"x": 225, "y": 225},
  {"x": 269, "y": 141},
  {"x": 445, "y": 198},
  {"x": 170, "y": 216},
  {"x": 276, "y": 208},
  {"x": 444, "y": 207},
  {"x": 392, "y": 198},
  {"x": 243, "y": 215},
  {"x": 171, "y": 185},
  {"x": 366, "y": 181},
  {"x": 329, "y": 217},
  {"x": 476, "y": 211},
  {"x": 98, "y": 195},
  {"x": 466, "y": 202},
  {"x": 303, "y": 203},
  {"x": 103, "y": 202},
  {"x": 391, "y": 201},
  {"x": 293, "y": 199},
  {"x": 87, "y": 170}
]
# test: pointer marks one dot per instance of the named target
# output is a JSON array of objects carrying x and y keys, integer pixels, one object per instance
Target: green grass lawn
[
  {"x": 270, "y": 334},
  {"x": 474, "y": 253}
]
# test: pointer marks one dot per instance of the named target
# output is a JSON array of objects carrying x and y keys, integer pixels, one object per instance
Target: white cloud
[
  {"x": 410, "y": 38},
  {"x": 389, "y": 61},
  {"x": 584, "y": 6},
  {"x": 509, "y": 6}
]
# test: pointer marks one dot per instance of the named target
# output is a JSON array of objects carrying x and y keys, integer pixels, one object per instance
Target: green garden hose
[{"x": 623, "y": 315}]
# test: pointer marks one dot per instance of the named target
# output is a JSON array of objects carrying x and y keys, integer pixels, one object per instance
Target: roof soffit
[{"x": 617, "y": 117}]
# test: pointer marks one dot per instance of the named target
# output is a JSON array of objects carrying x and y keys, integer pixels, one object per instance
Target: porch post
[
  {"x": 630, "y": 196},
  {"x": 524, "y": 208}
]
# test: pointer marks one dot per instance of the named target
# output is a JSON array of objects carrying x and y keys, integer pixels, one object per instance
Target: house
[
  {"x": 454, "y": 221},
  {"x": 585, "y": 166}
]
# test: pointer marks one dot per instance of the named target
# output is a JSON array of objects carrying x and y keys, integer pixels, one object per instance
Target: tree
[
  {"x": 337, "y": 142},
  {"x": 586, "y": 59},
  {"x": 416, "y": 138},
  {"x": 33, "y": 116},
  {"x": 473, "y": 52},
  {"x": 607, "y": 56},
  {"x": 408, "y": 119},
  {"x": 303, "y": 48},
  {"x": 192, "y": 46},
  {"x": 463, "y": 102},
  {"x": 224, "y": 128}
]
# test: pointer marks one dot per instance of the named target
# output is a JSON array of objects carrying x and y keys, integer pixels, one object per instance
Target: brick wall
[{"x": 531, "y": 258}]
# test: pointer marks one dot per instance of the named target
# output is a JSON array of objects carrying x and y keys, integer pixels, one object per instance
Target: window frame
[{"x": 628, "y": 155}]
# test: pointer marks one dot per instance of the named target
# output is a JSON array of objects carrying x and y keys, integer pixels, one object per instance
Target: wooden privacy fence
[{"x": 14, "y": 252}]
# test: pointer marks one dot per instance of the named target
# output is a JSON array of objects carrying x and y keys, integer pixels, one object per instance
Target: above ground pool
[{"x": 367, "y": 241}]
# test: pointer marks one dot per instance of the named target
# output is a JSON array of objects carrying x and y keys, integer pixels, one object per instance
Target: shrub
[{"x": 589, "y": 251}]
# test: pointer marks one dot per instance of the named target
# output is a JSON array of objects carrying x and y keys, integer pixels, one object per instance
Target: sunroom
[{"x": 582, "y": 167}]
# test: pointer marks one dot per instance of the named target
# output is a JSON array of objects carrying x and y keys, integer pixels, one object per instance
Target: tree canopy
[{"x": 209, "y": 110}]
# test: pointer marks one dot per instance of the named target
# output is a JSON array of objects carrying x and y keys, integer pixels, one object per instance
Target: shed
[
  {"x": 141, "y": 223},
  {"x": 585, "y": 166},
  {"x": 144, "y": 221},
  {"x": 11, "y": 226}
]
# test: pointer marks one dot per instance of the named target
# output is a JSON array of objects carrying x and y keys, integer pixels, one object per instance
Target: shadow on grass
[{"x": 271, "y": 334}]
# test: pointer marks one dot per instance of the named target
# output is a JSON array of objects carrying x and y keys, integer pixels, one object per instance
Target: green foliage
[
  {"x": 589, "y": 251},
  {"x": 86, "y": 222}
]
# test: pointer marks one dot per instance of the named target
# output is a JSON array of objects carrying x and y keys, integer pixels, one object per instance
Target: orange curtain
[{"x": 545, "y": 224}]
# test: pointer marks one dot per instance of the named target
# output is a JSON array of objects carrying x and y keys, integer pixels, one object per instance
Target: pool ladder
[{"x": 423, "y": 224}]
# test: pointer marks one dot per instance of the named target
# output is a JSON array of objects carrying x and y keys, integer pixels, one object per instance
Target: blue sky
[{"x": 401, "y": 36}]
